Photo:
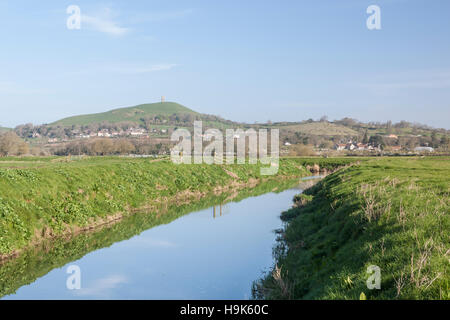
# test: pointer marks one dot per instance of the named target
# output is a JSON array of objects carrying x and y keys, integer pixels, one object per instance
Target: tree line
[{"x": 104, "y": 146}]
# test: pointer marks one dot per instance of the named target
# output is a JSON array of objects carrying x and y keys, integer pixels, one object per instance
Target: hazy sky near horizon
[{"x": 243, "y": 60}]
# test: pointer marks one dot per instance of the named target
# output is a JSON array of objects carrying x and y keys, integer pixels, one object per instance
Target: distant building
[
  {"x": 361, "y": 146},
  {"x": 352, "y": 146},
  {"x": 424, "y": 149},
  {"x": 163, "y": 99},
  {"x": 136, "y": 132},
  {"x": 103, "y": 133}
]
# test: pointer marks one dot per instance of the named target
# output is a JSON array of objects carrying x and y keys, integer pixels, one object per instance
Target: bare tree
[{"x": 12, "y": 145}]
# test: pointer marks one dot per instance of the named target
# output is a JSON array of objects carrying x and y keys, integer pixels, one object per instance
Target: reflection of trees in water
[{"x": 220, "y": 210}]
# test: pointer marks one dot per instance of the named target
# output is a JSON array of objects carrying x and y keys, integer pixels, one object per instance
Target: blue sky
[{"x": 243, "y": 60}]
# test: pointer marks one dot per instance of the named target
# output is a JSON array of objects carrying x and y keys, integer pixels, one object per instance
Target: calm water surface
[{"x": 211, "y": 254}]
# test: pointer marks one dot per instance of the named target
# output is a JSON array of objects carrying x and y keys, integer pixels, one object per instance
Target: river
[{"x": 214, "y": 253}]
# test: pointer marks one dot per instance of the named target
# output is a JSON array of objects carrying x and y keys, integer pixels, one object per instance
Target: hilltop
[{"x": 134, "y": 114}]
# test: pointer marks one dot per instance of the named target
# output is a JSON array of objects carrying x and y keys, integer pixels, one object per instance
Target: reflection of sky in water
[{"x": 194, "y": 257}]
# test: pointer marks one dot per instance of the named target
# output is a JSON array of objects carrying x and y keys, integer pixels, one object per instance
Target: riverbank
[
  {"x": 51, "y": 254},
  {"x": 389, "y": 213},
  {"x": 49, "y": 198}
]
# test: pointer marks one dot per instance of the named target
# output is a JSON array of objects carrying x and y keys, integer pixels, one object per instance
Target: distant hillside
[
  {"x": 321, "y": 129},
  {"x": 185, "y": 117},
  {"x": 133, "y": 114},
  {"x": 158, "y": 119},
  {"x": 3, "y": 129},
  {"x": 148, "y": 127}
]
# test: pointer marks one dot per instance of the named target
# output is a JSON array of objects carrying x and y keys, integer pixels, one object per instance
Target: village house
[
  {"x": 351, "y": 146},
  {"x": 136, "y": 132},
  {"x": 361, "y": 146},
  {"x": 103, "y": 133}
]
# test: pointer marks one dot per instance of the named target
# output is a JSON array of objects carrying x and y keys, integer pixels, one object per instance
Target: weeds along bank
[
  {"x": 390, "y": 213},
  {"x": 49, "y": 197}
]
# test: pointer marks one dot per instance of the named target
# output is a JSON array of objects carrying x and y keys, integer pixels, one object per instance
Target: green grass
[
  {"x": 42, "y": 196},
  {"x": 392, "y": 213},
  {"x": 134, "y": 114}
]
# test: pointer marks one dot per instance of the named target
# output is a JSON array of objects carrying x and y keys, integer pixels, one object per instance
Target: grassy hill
[
  {"x": 134, "y": 113},
  {"x": 3, "y": 129},
  {"x": 321, "y": 129},
  {"x": 185, "y": 117}
]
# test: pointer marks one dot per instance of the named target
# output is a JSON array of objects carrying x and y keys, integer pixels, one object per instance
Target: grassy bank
[
  {"x": 37, "y": 261},
  {"x": 391, "y": 213},
  {"x": 44, "y": 198}
]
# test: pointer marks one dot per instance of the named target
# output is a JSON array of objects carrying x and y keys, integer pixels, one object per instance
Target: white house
[{"x": 103, "y": 134}]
